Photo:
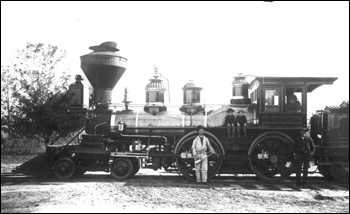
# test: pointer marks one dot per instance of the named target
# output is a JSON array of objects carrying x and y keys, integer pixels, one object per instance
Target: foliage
[
  {"x": 36, "y": 95},
  {"x": 6, "y": 99},
  {"x": 17, "y": 146},
  {"x": 48, "y": 121}
]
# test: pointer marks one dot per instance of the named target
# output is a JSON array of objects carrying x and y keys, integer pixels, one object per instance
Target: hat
[
  {"x": 230, "y": 110},
  {"x": 241, "y": 111},
  {"x": 199, "y": 127},
  {"x": 304, "y": 130},
  {"x": 293, "y": 97},
  {"x": 78, "y": 77},
  {"x": 105, "y": 46}
]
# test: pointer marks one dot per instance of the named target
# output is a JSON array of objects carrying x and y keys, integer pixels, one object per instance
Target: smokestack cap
[{"x": 105, "y": 46}]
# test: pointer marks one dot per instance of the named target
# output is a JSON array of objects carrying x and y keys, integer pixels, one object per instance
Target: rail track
[{"x": 159, "y": 179}]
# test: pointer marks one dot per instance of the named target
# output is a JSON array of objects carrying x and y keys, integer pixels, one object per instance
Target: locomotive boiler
[{"x": 122, "y": 138}]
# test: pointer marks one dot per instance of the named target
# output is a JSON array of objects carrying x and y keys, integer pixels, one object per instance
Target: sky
[{"x": 208, "y": 42}]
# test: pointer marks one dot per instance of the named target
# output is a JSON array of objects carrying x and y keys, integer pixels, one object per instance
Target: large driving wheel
[
  {"x": 122, "y": 168},
  {"x": 271, "y": 157},
  {"x": 339, "y": 173},
  {"x": 64, "y": 168},
  {"x": 186, "y": 165}
]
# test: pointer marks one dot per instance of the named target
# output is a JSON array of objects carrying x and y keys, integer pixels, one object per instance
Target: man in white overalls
[{"x": 199, "y": 151}]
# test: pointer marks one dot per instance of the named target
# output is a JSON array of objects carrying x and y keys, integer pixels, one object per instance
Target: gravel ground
[{"x": 146, "y": 195}]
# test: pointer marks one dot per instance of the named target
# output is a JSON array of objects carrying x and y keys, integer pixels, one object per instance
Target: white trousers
[{"x": 202, "y": 169}]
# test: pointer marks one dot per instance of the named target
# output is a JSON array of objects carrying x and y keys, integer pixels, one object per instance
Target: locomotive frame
[{"x": 124, "y": 140}]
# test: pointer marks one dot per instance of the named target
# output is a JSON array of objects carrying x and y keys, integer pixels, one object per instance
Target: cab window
[
  {"x": 272, "y": 100},
  {"x": 293, "y": 99}
]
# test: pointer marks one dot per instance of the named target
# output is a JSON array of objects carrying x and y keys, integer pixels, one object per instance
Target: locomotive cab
[{"x": 282, "y": 101}]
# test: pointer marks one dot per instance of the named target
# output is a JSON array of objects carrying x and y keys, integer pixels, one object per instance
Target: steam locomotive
[{"x": 156, "y": 136}]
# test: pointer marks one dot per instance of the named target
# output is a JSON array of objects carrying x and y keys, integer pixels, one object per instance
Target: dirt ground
[{"x": 99, "y": 193}]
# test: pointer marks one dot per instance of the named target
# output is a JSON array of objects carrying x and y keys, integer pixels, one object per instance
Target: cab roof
[{"x": 311, "y": 82}]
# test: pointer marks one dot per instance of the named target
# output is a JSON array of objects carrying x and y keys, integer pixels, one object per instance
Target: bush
[{"x": 17, "y": 146}]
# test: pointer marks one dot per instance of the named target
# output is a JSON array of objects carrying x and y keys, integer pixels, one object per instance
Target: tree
[
  {"x": 6, "y": 83},
  {"x": 37, "y": 94},
  {"x": 48, "y": 121}
]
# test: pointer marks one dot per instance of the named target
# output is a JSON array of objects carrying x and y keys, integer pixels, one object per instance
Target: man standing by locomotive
[
  {"x": 304, "y": 148},
  {"x": 199, "y": 151}
]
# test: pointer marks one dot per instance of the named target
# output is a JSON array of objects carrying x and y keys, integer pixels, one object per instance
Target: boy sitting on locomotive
[
  {"x": 241, "y": 121},
  {"x": 230, "y": 123}
]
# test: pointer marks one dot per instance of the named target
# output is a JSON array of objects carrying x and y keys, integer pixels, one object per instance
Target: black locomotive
[{"x": 156, "y": 136}]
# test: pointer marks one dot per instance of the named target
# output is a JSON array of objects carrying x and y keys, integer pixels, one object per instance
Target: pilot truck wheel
[
  {"x": 64, "y": 168},
  {"x": 121, "y": 168}
]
